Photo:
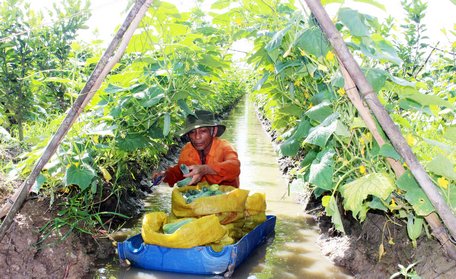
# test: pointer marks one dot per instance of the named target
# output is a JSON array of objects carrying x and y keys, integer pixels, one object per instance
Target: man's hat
[{"x": 201, "y": 118}]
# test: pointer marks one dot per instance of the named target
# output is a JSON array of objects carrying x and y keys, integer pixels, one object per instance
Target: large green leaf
[
  {"x": 322, "y": 169},
  {"x": 313, "y": 41},
  {"x": 387, "y": 150},
  {"x": 331, "y": 208},
  {"x": 442, "y": 166},
  {"x": 355, "y": 192},
  {"x": 354, "y": 21},
  {"x": 376, "y": 78},
  {"x": 79, "y": 175},
  {"x": 132, "y": 142},
  {"x": 154, "y": 95},
  {"x": 320, "y": 134},
  {"x": 320, "y": 111},
  {"x": 426, "y": 99},
  {"x": 414, "y": 194},
  {"x": 291, "y": 145},
  {"x": 276, "y": 40}
]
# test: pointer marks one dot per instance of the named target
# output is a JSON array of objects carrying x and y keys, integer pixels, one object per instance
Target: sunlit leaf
[
  {"x": 291, "y": 145},
  {"x": 326, "y": 2},
  {"x": 414, "y": 194},
  {"x": 376, "y": 78},
  {"x": 322, "y": 169},
  {"x": 442, "y": 166},
  {"x": 40, "y": 180},
  {"x": 333, "y": 210},
  {"x": 132, "y": 142},
  {"x": 450, "y": 133},
  {"x": 313, "y": 41},
  {"x": 79, "y": 175},
  {"x": 221, "y": 4},
  {"x": 373, "y": 3},
  {"x": 320, "y": 111},
  {"x": 357, "y": 191},
  {"x": 354, "y": 21},
  {"x": 114, "y": 89},
  {"x": 276, "y": 40},
  {"x": 320, "y": 134},
  {"x": 387, "y": 150}
]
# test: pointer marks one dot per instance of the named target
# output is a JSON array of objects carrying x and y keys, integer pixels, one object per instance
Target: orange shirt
[{"x": 222, "y": 158}]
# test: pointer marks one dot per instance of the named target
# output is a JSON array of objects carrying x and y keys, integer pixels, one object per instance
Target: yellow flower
[
  {"x": 410, "y": 139},
  {"x": 443, "y": 183},
  {"x": 341, "y": 91},
  {"x": 330, "y": 56},
  {"x": 362, "y": 169}
]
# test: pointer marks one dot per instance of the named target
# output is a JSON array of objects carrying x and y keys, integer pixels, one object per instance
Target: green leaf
[
  {"x": 414, "y": 194},
  {"x": 354, "y": 22},
  {"x": 442, "y": 166},
  {"x": 132, "y": 142},
  {"x": 450, "y": 133},
  {"x": 40, "y": 180},
  {"x": 355, "y": 192},
  {"x": 322, "y": 169},
  {"x": 373, "y": 3},
  {"x": 308, "y": 159},
  {"x": 326, "y": 2},
  {"x": 276, "y": 40},
  {"x": 291, "y": 145},
  {"x": 154, "y": 95},
  {"x": 320, "y": 134},
  {"x": 221, "y": 4},
  {"x": 426, "y": 100},
  {"x": 387, "y": 150},
  {"x": 333, "y": 210},
  {"x": 166, "y": 124},
  {"x": 320, "y": 111},
  {"x": 376, "y": 78},
  {"x": 313, "y": 41},
  {"x": 79, "y": 175},
  {"x": 114, "y": 89}
]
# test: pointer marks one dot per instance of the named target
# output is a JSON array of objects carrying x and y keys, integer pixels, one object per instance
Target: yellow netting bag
[
  {"x": 201, "y": 231},
  {"x": 232, "y": 200},
  {"x": 255, "y": 208}
]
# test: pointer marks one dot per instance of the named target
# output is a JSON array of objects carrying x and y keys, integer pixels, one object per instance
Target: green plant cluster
[{"x": 301, "y": 91}]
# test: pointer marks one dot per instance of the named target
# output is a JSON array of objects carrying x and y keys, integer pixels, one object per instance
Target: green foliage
[{"x": 30, "y": 52}]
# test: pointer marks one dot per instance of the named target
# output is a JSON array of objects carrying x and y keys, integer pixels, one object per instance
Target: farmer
[{"x": 207, "y": 157}]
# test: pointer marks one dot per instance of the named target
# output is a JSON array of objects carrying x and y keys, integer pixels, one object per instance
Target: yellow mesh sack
[
  {"x": 232, "y": 199},
  {"x": 201, "y": 231}
]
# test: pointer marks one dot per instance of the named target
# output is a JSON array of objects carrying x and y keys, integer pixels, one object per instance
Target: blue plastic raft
[{"x": 196, "y": 260}]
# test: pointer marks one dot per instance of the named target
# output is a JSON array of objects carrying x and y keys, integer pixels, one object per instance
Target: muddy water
[{"x": 292, "y": 252}]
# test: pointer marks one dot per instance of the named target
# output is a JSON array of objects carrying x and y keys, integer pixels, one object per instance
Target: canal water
[{"x": 293, "y": 251}]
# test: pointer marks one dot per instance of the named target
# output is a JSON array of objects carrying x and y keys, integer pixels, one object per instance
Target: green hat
[{"x": 201, "y": 118}]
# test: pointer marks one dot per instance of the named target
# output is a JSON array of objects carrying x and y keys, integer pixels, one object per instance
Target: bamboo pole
[
  {"x": 391, "y": 130},
  {"x": 438, "y": 230},
  {"x": 110, "y": 57}
]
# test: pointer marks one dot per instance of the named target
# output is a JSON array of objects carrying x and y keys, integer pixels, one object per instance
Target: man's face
[{"x": 201, "y": 138}]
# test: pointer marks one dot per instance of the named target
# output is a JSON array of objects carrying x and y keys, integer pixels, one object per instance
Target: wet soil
[{"x": 23, "y": 256}]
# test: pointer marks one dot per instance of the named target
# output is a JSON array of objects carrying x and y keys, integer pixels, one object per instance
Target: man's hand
[
  {"x": 197, "y": 172},
  {"x": 157, "y": 177}
]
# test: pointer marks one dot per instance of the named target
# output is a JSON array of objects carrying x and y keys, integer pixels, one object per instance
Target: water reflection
[{"x": 292, "y": 252}]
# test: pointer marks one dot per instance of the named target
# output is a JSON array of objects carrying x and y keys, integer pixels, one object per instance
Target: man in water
[{"x": 207, "y": 157}]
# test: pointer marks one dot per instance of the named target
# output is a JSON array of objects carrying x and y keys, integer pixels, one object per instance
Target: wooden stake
[
  {"x": 387, "y": 124},
  {"x": 110, "y": 57}
]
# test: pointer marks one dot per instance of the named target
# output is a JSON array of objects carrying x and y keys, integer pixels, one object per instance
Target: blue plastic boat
[{"x": 196, "y": 260}]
